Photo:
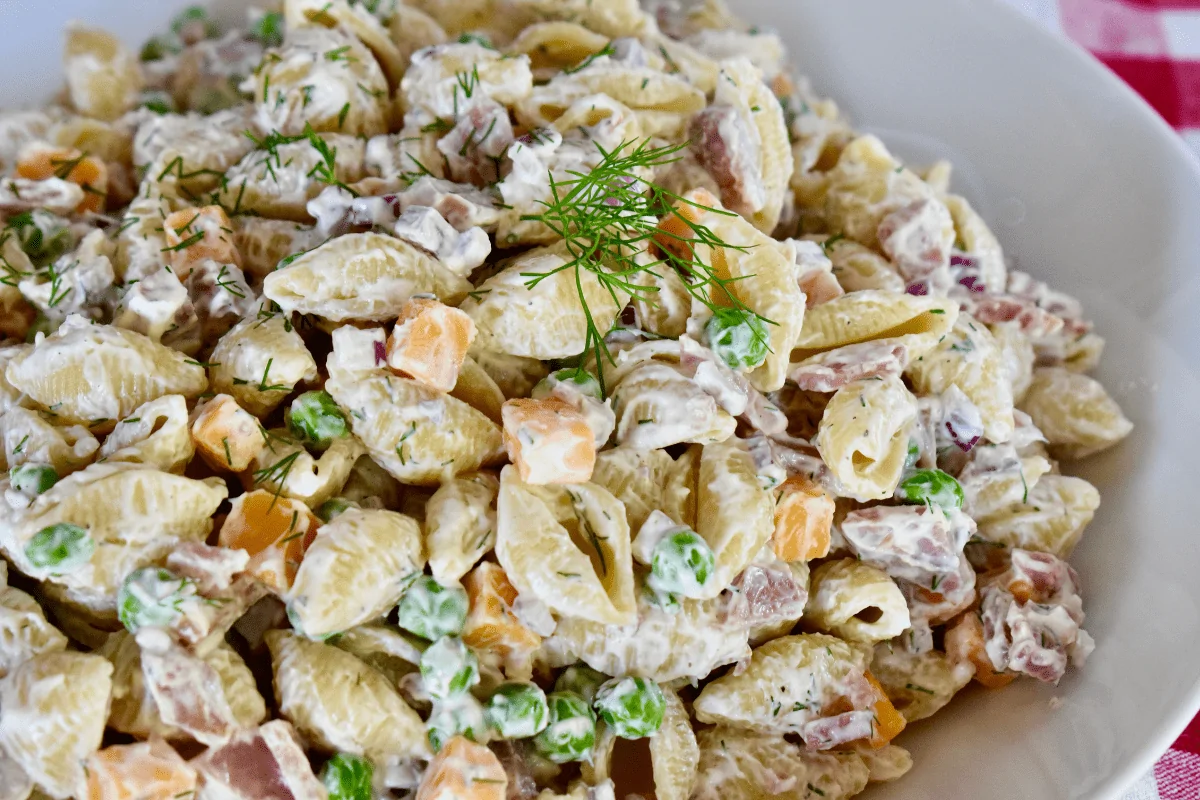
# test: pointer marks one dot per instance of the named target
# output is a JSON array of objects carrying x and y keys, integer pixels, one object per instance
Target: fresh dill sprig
[
  {"x": 608, "y": 218},
  {"x": 277, "y": 474}
]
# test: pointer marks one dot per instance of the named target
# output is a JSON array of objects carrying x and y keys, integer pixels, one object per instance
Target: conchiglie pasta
[
  {"x": 734, "y": 514},
  {"x": 55, "y": 706},
  {"x": 103, "y": 76},
  {"x": 674, "y": 753},
  {"x": 24, "y": 631},
  {"x": 759, "y": 274},
  {"x": 278, "y": 181},
  {"x": 155, "y": 434},
  {"x": 856, "y": 602},
  {"x": 858, "y": 268},
  {"x": 446, "y": 77},
  {"x": 866, "y": 185},
  {"x": 969, "y": 358},
  {"x": 567, "y": 546},
  {"x": 359, "y": 713},
  {"x": 732, "y": 763},
  {"x": 1074, "y": 411},
  {"x": 650, "y": 480},
  {"x": 354, "y": 571},
  {"x": 977, "y": 239},
  {"x": 656, "y": 407},
  {"x": 419, "y": 435},
  {"x": 286, "y": 467},
  {"x": 918, "y": 685},
  {"x": 875, "y": 316},
  {"x": 612, "y": 19},
  {"x": 259, "y": 361},
  {"x": 84, "y": 372},
  {"x": 362, "y": 276},
  {"x": 133, "y": 514},
  {"x": 460, "y": 525},
  {"x": 863, "y": 436},
  {"x": 556, "y": 46},
  {"x": 358, "y": 20},
  {"x": 325, "y": 78},
  {"x": 263, "y": 243},
  {"x": 29, "y": 438},
  {"x": 660, "y": 646},
  {"x": 412, "y": 29},
  {"x": 788, "y": 682},
  {"x": 1050, "y": 520},
  {"x": 545, "y": 320}
]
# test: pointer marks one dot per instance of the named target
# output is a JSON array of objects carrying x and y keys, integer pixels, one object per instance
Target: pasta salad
[{"x": 508, "y": 400}]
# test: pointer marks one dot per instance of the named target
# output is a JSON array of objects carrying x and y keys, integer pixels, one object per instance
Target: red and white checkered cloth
[{"x": 1155, "y": 46}]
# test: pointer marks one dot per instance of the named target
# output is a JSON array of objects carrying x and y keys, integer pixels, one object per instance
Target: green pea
[
  {"x": 60, "y": 548},
  {"x": 932, "y": 487},
  {"x": 158, "y": 102},
  {"x": 33, "y": 479},
  {"x": 738, "y": 337},
  {"x": 431, "y": 610},
  {"x": 663, "y": 600},
  {"x": 331, "y": 509},
  {"x": 316, "y": 419},
  {"x": 348, "y": 777},
  {"x": 571, "y": 732},
  {"x": 631, "y": 707},
  {"x": 580, "y": 679},
  {"x": 681, "y": 564},
  {"x": 576, "y": 378},
  {"x": 517, "y": 710},
  {"x": 462, "y": 716},
  {"x": 152, "y": 597},
  {"x": 158, "y": 48},
  {"x": 194, "y": 15},
  {"x": 269, "y": 29},
  {"x": 448, "y": 668}
]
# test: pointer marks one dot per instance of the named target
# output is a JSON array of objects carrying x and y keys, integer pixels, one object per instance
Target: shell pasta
[{"x": 509, "y": 399}]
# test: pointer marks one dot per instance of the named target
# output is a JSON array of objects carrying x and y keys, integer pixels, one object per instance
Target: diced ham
[
  {"x": 212, "y": 569},
  {"x": 829, "y": 732},
  {"x": 187, "y": 690},
  {"x": 728, "y": 147},
  {"x": 762, "y": 594},
  {"x": 263, "y": 764},
  {"x": 912, "y": 237},
  {"x": 832, "y": 370},
  {"x": 475, "y": 147},
  {"x": 921, "y": 544}
]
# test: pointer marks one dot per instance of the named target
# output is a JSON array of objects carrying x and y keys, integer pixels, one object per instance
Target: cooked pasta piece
[
  {"x": 1076, "y": 414},
  {"x": 259, "y": 361},
  {"x": 863, "y": 436},
  {"x": 856, "y": 602}
]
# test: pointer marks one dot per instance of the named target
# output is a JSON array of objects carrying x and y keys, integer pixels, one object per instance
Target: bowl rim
[{"x": 1154, "y": 747}]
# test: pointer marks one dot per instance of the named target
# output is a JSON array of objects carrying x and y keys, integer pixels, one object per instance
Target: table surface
[{"x": 1154, "y": 45}]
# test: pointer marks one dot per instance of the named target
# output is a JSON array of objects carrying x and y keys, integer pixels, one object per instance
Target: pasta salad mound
[{"x": 508, "y": 400}]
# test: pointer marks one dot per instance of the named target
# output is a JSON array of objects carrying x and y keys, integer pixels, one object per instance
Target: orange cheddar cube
[
  {"x": 463, "y": 770},
  {"x": 491, "y": 625},
  {"x": 194, "y": 234},
  {"x": 144, "y": 771},
  {"x": 803, "y": 519},
  {"x": 888, "y": 721},
  {"x": 429, "y": 342},
  {"x": 274, "y": 530},
  {"x": 964, "y": 644},
  {"x": 41, "y": 162},
  {"x": 549, "y": 440},
  {"x": 227, "y": 436}
]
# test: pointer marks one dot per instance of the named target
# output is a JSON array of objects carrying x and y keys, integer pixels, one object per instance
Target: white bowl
[{"x": 1087, "y": 188}]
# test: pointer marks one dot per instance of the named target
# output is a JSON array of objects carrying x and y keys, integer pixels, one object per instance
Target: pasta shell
[
  {"x": 858, "y": 268},
  {"x": 362, "y": 276},
  {"x": 976, "y": 238},
  {"x": 615, "y": 18},
  {"x": 103, "y": 76},
  {"x": 460, "y": 525},
  {"x": 734, "y": 514},
  {"x": 660, "y": 646},
  {"x": 55, "y": 706},
  {"x": 790, "y": 681},
  {"x": 28, "y": 438},
  {"x": 545, "y": 320},
  {"x": 580, "y": 530},
  {"x": 863, "y": 436},
  {"x": 650, "y": 480},
  {"x": 733, "y": 765},
  {"x": 758, "y": 272},
  {"x": 278, "y": 182},
  {"x": 1051, "y": 520},
  {"x": 918, "y": 685},
  {"x": 873, "y": 315},
  {"x": 419, "y": 435},
  {"x": 358, "y": 20},
  {"x": 556, "y": 46},
  {"x": 845, "y": 591},
  {"x": 354, "y": 571},
  {"x": 656, "y": 406},
  {"x": 84, "y": 372},
  {"x": 133, "y": 514},
  {"x": 476, "y": 388},
  {"x": 155, "y": 434},
  {"x": 359, "y": 713},
  {"x": 969, "y": 358},
  {"x": 24, "y": 631},
  {"x": 674, "y": 754},
  {"x": 259, "y": 361},
  {"x": 1075, "y": 412}
]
